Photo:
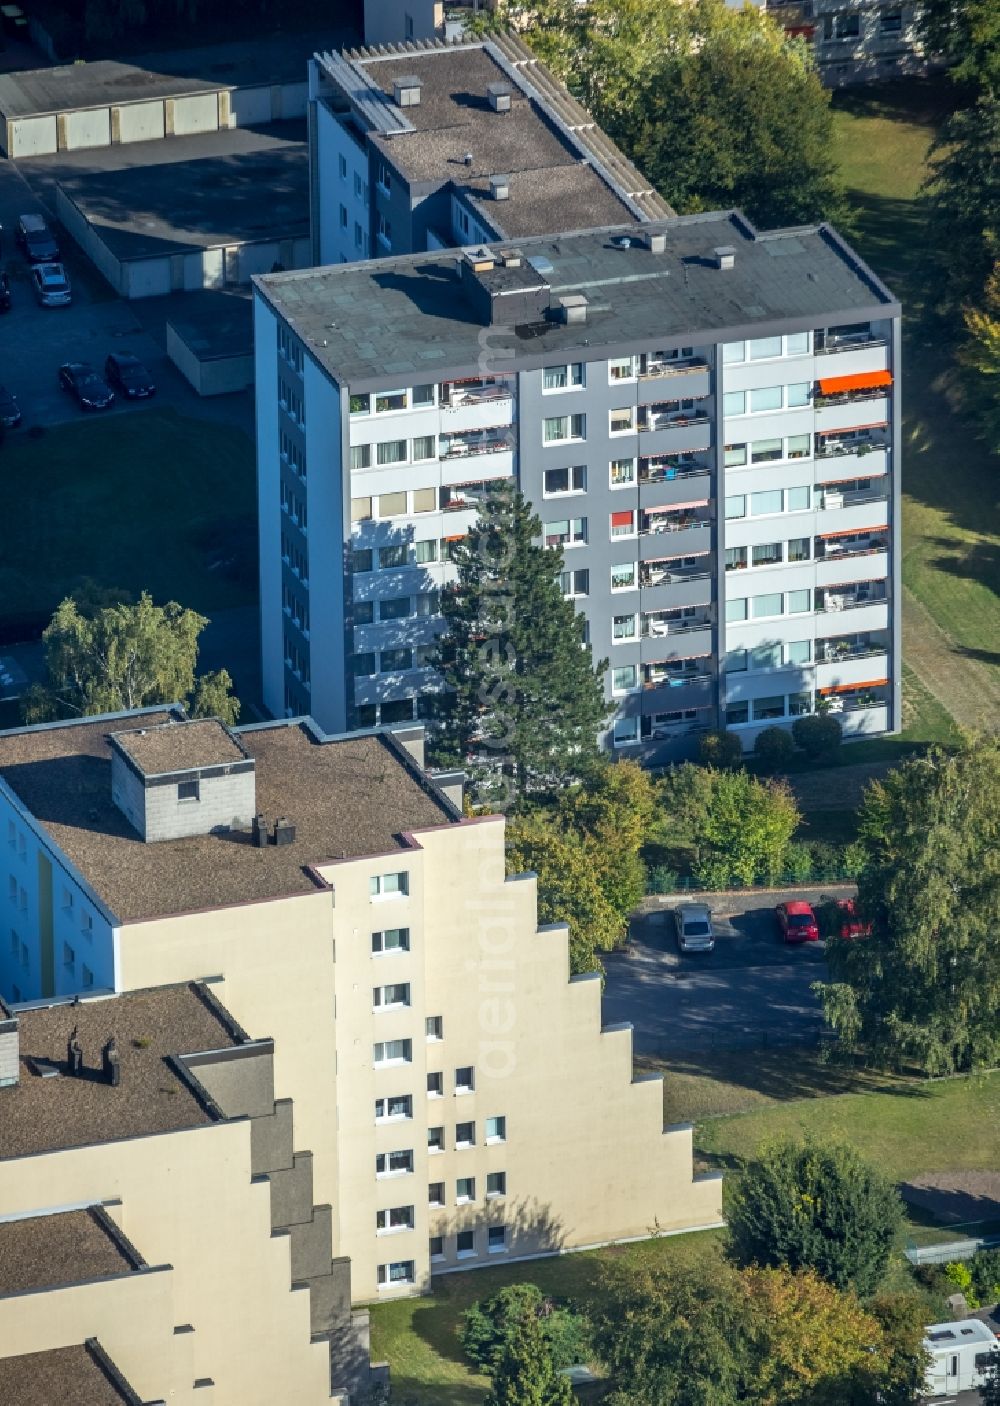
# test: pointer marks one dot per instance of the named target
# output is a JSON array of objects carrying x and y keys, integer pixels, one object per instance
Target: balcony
[
  {"x": 851, "y": 412},
  {"x": 664, "y": 692},
  {"x": 854, "y": 355},
  {"x": 852, "y": 595},
  {"x": 475, "y": 405},
  {"x": 690, "y": 378},
  {"x": 851, "y": 668},
  {"x": 865, "y": 722},
  {"x": 681, "y": 530},
  {"x": 674, "y": 643},
  {"x": 872, "y": 692},
  {"x": 674, "y": 586},
  {"x": 850, "y": 568},
  {"x": 674, "y": 426},
  {"x": 491, "y": 449},
  {"x": 668, "y": 484},
  {"x": 858, "y": 615}
]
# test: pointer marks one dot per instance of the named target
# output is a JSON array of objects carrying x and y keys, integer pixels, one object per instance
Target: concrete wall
[
  {"x": 269, "y": 506},
  {"x": 336, "y": 144},
  {"x": 215, "y": 376},
  {"x": 392, "y": 22}
]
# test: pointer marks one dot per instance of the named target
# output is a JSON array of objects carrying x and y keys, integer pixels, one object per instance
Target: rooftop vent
[
  {"x": 10, "y": 1048},
  {"x": 658, "y": 243},
  {"x": 500, "y": 187},
  {"x": 499, "y": 95},
  {"x": 725, "y": 256},
  {"x": 481, "y": 259},
  {"x": 622, "y": 241},
  {"x": 571, "y": 308},
  {"x": 468, "y": 159},
  {"x": 512, "y": 258},
  {"x": 406, "y": 90}
]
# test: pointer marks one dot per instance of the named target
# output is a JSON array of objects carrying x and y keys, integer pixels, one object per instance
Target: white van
[{"x": 961, "y": 1355}]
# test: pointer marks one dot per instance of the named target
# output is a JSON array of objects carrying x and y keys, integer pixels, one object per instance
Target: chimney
[
  {"x": 500, "y": 187},
  {"x": 571, "y": 308},
  {"x": 10, "y": 1048},
  {"x": 499, "y": 95},
  {"x": 511, "y": 258},
  {"x": 725, "y": 256},
  {"x": 657, "y": 243},
  {"x": 258, "y": 830},
  {"x": 406, "y": 90},
  {"x": 284, "y": 831}
]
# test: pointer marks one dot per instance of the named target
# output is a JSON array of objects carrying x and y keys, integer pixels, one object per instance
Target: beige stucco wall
[{"x": 187, "y": 1201}]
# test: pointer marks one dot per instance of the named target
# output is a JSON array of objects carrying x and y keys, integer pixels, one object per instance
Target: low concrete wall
[{"x": 213, "y": 376}]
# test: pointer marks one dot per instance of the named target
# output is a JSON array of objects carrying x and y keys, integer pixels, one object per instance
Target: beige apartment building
[{"x": 453, "y": 1087}]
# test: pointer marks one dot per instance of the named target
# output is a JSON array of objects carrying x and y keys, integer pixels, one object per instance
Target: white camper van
[{"x": 961, "y": 1354}]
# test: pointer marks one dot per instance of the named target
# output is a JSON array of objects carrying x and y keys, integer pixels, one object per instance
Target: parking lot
[{"x": 752, "y": 990}]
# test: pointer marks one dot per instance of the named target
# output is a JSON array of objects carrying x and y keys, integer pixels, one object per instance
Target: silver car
[
  {"x": 51, "y": 285},
  {"x": 693, "y": 924}
]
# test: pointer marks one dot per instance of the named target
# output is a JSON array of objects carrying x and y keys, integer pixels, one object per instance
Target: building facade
[
  {"x": 704, "y": 418},
  {"x": 858, "y": 41},
  {"x": 428, "y": 1033}
]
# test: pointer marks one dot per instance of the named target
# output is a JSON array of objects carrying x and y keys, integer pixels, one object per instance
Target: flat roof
[
  {"x": 63, "y": 1374},
  {"x": 44, "y": 1252},
  {"x": 240, "y": 186},
  {"x": 575, "y": 195},
  {"x": 347, "y": 797},
  {"x": 45, "y": 1114},
  {"x": 386, "y": 319},
  {"x": 168, "y": 747},
  {"x": 274, "y": 58},
  {"x": 214, "y": 322}
]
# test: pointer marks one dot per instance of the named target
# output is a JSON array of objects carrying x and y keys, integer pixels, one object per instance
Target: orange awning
[
  {"x": 864, "y": 381},
  {"x": 851, "y": 532},
  {"x": 831, "y": 482},
  {"x": 853, "y": 429},
  {"x": 850, "y": 687},
  {"x": 678, "y": 507},
  {"x": 458, "y": 537}
]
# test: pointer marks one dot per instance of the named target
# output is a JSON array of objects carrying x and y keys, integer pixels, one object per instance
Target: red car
[
  {"x": 850, "y": 925},
  {"x": 797, "y": 921}
]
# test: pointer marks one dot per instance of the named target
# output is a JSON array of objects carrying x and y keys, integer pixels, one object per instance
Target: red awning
[
  {"x": 622, "y": 519},
  {"x": 458, "y": 537},
  {"x": 830, "y": 482},
  {"x": 853, "y": 429},
  {"x": 851, "y": 532},
  {"x": 850, "y": 687},
  {"x": 678, "y": 507},
  {"x": 864, "y": 381}
]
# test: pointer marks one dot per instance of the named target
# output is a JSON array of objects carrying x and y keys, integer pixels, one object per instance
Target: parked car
[
  {"x": 5, "y": 296},
  {"x": 51, "y": 286},
  {"x": 36, "y": 239},
  {"x": 127, "y": 372},
  {"x": 797, "y": 921},
  {"x": 90, "y": 389},
  {"x": 693, "y": 926},
  {"x": 10, "y": 411},
  {"x": 849, "y": 923}
]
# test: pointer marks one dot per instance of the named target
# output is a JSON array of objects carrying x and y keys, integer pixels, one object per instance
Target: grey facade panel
[
  {"x": 676, "y": 385},
  {"x": 684, "y": 644}
]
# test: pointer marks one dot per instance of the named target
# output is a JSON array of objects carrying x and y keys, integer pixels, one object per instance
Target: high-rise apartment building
[
  {"x": 704, "y": 417},
  {"x": 456, "y": 1100}
]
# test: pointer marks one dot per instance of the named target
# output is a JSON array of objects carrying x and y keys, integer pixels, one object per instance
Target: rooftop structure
[
  {"x": 83, "y": 1375},
  {"x": 67, "y": 1247}
]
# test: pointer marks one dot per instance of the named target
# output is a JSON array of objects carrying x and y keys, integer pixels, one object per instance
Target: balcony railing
[
  {"x": 840, "y": 449},
  {"x": 856, "y": 702},
  {"x": 667, "y": 473},
  {"x": 830, "y": 551},
  {"x": 655, "y": 369},
  {"x": 843, "y": 655},
  {"x": 454, "y": 394},
  {"x": 653, "y": 629},
  {"x": 821, "y": 402},
  {"x": 669, "y": 421},
  {"x": 850, "y": 343},
  {"x": 832, "y": 499},
  {"x": 662, "y": 576},
  {"x": 657, "y": 680},
  {"x": 832, "y": 604},
  {"x": 658, "y": 523},
  {"x": 466, "y": 447}
]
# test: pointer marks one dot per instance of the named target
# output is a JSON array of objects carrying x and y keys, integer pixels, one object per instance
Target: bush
[
  {"x": 827, "y": 861},
  {"x": 721, "y": 749},
  {"x": 774, "y": 748},
  {"x": 798, "y": 863},
  {"x": 819, "y": 735},
  {"x": 662, "y": 879},
  {"x": 985, "y": 1268},
  {"x": 959, "y": 1275},
  {"x": 488, "y": 1322}
]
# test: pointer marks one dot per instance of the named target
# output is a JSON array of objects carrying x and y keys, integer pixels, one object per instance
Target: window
[
  {"x": 465, "y": 1079},
  {"x": 761, "y": 607},
  {"x": 734, "y": 455},
  {"x": 361, "y": 561},
  {"x": 497, "y": 1239},
  {"x": 391, "y": 451},
  {"x": 395, "y": 661},
  {"x": 394, "y": 608},
  {"x": 562, "y": 427},
  {"x": 391, "y": 504},
  {"x": 798, "y": 651},
  {"x": 395, "y": 994},
  {"x": 396, "y": 1218},
  {"x": 465, "y": 1190},
  {"x": 391, "y": 1275},
  {"x": 737, "y": 713},
  {"x": 12, "y": 888},
  {"x": 399, "y": 1106},
  {"x": 88, "y": 977},
  {"x": 360, "y": 403},
  {"x": 392, "y": 1052},
  {"x": 736, "y": 661},
  {"x": 69, "y": 957},
  {"x": 798, "y": 603},
  {"x": 342, "y": 163},
  {"x": 798, "y": 394},
  {"x": 623, "y": 524},
  {"x": 434, "y": 1027},
  {"x": 571, "y": 480},
  {"x": 390, "y": 940},
  {"x": 435, "y": 1193},
  {"x": 734, "y": 402},
  {"x": 435, "y": 1086},
  {"x": 496, "y": 1184},
  {"x": 736, "y": 610},
  {"x": 622, "y": 421},
  {"x": 428, "y": 602},
  {"x": 767, "y": 554},
  {"x": 734, "y": 351},
  {"x": 187, "y": 790},
  {"x": 621, "y": 368},
  {"x": 391, "y": 557},
  {"x": 560, "y": 378},
  {"x": 394, "y": 1164},
  {"x": 465, "y": 1134},
  {"x": 736, "y": 558},
  {"x": 361, "y": 456},
  {"x": 764, "y": 708},
  {"x": 566, "y": 533},
  {"x": 767, "y": 398},
  {"x": 424, "y": 395},
  {"x": 623, "y": 679},
  {"x": 797, "y": 499},
  {"x": 797, "y": 344},
  {"x": 736, "y": 506},
  {"x": 465, "y": 1243},
  {"x": 764, "y": 451},
  {"x": 358, "y": 232},
  {"x": 496, "y": 1130},
  {"x": 847, "y": 26},
  {"x": 363, "y": 665},
  {"x": 623, "y": 578},
  {"x": 799, "y": 704},
  {"x": 624, "y": 627},
  {"x": 343, "y": 217},
  {"x": 424, "y": 447},
  {"x": 622, "y": 472},
  {"x": 575, "y": 583},
  {"x": 766, "y": 656},
  {"x": 435, "y": 1139},
  {"x": 383, "y": 177},
  {"x": 384, "y": 231},
  {"x": 426, "y": 550},
  {"x": 762, "y": 504},
  {"x": 436, "y": 1247},
  {"x": 626, "y": 731},
  {"x": 764, "y": 347},
  {"x": 799, "y": 549},
  {"x": 389, "y": 885}
]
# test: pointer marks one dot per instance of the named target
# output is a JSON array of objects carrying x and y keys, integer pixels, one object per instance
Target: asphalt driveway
[{"x": 752, "y": 990}]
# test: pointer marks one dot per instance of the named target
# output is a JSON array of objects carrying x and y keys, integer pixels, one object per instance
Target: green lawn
[
  {"x": 146, "y": 500},
  {"x": 951, "y": 517}
]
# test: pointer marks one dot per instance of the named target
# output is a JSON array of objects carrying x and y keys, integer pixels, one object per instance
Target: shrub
[
  {"x": 819, "y": 735},
  {"x": 489, "y": 1322},
  {"x": 985, "y": 1268},
  {"x": 774, "y": 748},
  {"x": 959, "y": 1275},
  {"x": 662, "y": 879},
  {"x": 798, "y": 863},
  {"x": 721, "y": 749}
]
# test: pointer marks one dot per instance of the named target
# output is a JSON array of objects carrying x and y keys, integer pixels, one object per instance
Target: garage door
[
  {"x": 91, "y": 127},
  {"x": 198, "y": 114},
  {"x": 33, "y": 136},
  {"x": 250, "y": 105},
  {"x": 140, "y": 122}
]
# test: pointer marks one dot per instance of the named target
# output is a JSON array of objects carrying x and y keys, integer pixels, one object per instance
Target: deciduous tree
[
  {"x": 524, "y": 1373},
  {"x": 611, "y": 811},
  {"x": 981, "y": 354},
  {"x": 487, "y": 1325}
]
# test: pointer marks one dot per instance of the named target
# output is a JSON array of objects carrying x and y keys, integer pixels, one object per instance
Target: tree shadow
[{"x": 931, "y": 1206}]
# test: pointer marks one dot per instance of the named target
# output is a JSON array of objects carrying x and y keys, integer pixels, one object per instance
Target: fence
[
  {"x": 945, "y": 1251},
  {"x": 661, "y": 881}
]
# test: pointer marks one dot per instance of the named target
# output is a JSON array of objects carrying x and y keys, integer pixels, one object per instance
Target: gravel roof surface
[
  {"x": 43, "y": 1114},
  {"x": 171, "y": 747},
  {"x": 65, "y": 1376},
  {"x": 348, "y": 797},
  {"x": 42, "y": 1252}
]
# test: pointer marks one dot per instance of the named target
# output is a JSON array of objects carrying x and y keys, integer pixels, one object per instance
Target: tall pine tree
[
  {"x": 525, "y": 1373},
  {"x": 527, "y": 699}
]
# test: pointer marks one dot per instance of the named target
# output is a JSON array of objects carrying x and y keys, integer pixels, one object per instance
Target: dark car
[
  {"x": 797, "y": 921},
  {"x": 81, "y": 380},
  {"x": 10, "y": 411},
  {"x": 127, "y": 372},
  {"x": 36, "y": 239},
  {"x": 5, "y": 298}
]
